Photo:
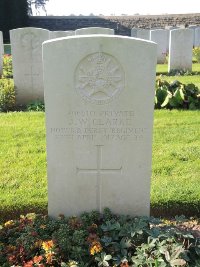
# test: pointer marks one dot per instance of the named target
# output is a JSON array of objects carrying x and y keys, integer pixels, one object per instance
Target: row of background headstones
[
  {"x": 145, "y": 33},
  {"x": 64, "y": 67},
  {"x": 27, "y": 53},
  {"x": 177, "y": 42}
]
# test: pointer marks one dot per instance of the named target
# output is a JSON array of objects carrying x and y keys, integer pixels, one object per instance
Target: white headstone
[
  {"x": 134, "y": 32},
  {"x": 59, "y": 34},
  {"x": 180, "y": 50},
  {"x": 99, "y": 135},
  {"x": 143, "y": 34},
  {"x": 160, "y": 37},
  {"x": 26, "y": 45},
  {"x": 94, "y": 30},
  {"x": 1, "y": 53},
  {"x": 193, "y": 27},
  {"x": 197, "y": 37}
]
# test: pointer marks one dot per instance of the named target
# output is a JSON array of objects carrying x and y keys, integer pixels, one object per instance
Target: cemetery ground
[
  {"x": 175, "y": 187},
  {"x": 91, "y": 240},
  {"x": 108, "y": 240}
]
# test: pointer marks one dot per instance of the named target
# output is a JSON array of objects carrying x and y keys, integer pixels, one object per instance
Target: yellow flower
[
  {"x": 42, "y": 226},
  {"x": 95, "y": 248},
  {"x": 47, "y": 245},
  {"x": 9, "y": 223}
]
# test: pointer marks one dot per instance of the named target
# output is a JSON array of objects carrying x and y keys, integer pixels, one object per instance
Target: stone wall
[{"x": 121, "y": 24}]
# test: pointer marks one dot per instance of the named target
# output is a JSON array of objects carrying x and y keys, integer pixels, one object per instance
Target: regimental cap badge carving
[{"x": 99, "y": 78}]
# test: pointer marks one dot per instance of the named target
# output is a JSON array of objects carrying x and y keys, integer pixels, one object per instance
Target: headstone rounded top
[
  {"x": 94, "y": 30},
  {"x": 29, "y": 29}
]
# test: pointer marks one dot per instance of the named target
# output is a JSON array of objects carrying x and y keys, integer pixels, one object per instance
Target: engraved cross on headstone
[{"x": 98, "y": 171}]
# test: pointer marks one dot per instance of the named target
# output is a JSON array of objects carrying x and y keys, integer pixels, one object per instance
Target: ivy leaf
[
  {"x": 108, "y": 257},
  {"x": 166, "y": 101}
]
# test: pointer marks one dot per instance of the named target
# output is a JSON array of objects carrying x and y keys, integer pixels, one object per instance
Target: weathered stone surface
[
  {"x": 197, "y": 37},
  {"x": 193, "y": 27},
  {"x": 143, "y": 34},
  {"x": 94, "y": 30},
  {"x": 161, "y": 37},
  {"x": 99, "y": 136},
  {"x": 180, "y": 50},
  {"x": 134, "y": 32},
  {"x": 58, "y": 34},
  {"x": 26, "y": 45}
]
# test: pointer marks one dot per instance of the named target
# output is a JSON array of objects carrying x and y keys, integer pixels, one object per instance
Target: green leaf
[
  {"x": 161, "y": 95},
  {"x": 108, "y": 257},
  {"x": 166, "y": 101},
  {"x": 174, "y": 102},
  {"x": 178, "y": 96}
]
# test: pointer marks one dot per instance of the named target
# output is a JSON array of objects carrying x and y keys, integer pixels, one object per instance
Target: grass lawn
[
  {"x": 23, "y": 183},
  {"x": 162, "y": 68},
  {"x": 176, "y": 163}
]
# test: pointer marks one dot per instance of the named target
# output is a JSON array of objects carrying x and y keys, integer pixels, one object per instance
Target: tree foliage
[{"x": 37, "y": 4}]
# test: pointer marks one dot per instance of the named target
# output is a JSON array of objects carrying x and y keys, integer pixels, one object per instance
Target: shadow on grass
[
  {"x": 171, "y": 209},
  {"x": 168, "y": 210},
  {"x": 166, "y": 73}
]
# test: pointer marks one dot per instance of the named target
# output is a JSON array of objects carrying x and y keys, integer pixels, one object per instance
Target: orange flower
[
  {"x": 95, "y": 248},
  {"x": 11, "y": 258},
  {"x": 92, "y": 238},
  {"x": 47, "y": 245},
  {"x": 124, "y": 263},
  {"x": 37, "y": 259}
]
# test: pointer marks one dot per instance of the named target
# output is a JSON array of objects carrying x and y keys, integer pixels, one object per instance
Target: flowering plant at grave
[
  {"x": 7, "y": 66},
  {"x": 95, "y": 239}
]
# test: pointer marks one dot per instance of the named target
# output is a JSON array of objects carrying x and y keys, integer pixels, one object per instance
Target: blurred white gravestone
[
  {"x": 94, "y": 30},
  {"x": 161, "y": 37},
  {"x": 134, "y": 32},
  {"x": 143, "y": 34},
  {"x": 193, "y": 27},
  {"x": 59, "y": 34},
  {"x": 1, "y": 53},
  {"x": 26, "y": 45},
  {"x": 197, "y": 37},
  {"x": 180, "y": 50},
  {"x": 99, "y": 136}
]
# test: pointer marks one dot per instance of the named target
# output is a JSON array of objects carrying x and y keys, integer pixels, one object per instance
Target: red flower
[{"x": 28, "y": 264}]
